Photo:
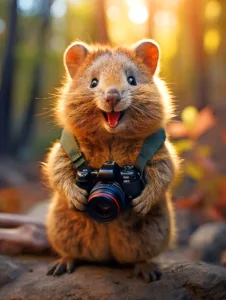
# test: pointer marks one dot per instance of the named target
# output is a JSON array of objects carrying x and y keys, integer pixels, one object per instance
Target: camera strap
[
  {"x": 149, "y": 148},
  {"x": 71, "y": 147}
]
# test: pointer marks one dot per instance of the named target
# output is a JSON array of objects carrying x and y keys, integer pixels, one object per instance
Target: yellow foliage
[
  {"x": 183, "y": 145},
  {"x": 194, "y": 171},
  {"x": 189, "y": 117}
]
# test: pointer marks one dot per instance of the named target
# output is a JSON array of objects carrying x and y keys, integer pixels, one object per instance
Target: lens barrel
[{"x": 106, "y": 201}]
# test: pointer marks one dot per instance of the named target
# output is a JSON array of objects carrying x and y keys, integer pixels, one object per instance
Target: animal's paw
[
  {"x": 149, "y": 272},
  {"x": 142, "y": 204},
  {"x": 77, "y": 198},
  {"x": 61, "y": 266}
]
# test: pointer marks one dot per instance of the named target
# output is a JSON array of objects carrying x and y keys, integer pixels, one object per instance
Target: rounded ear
[
  {"x": 73, "y": 56},
  {"x": 149, "y": 52}
]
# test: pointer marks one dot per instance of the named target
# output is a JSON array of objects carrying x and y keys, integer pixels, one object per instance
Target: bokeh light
[
  {"x": 26, "y": 5},
  {"x": 58, "y": 8},
  {"x": 212, "y": 10},
  {"x": 2, "y": 26},
  {"x": 138, "y": 13},
  {"x": 29, "y": 7},
  {"x": 212, "y": 41}
]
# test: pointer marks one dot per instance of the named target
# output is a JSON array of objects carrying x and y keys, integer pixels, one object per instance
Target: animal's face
[{"x": 112, "y": 91}]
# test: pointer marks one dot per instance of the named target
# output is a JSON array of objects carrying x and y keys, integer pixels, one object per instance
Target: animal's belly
[
  {"x": 134, "y": 240},
  {"x": 75, "y": 235},
  {"x": 127, "y": 239},
  {"x": 94, "y": 240}
]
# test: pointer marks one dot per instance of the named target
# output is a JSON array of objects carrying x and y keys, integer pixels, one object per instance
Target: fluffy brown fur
[{"x": 147, "y": 229}]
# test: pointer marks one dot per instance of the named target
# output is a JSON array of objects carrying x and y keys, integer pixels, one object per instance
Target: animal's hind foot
[
  {"x": 149, "y": 272},
  {"x": 61, "y": 266}
]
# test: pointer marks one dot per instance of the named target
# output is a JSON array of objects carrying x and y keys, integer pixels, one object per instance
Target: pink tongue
[{"x": 113, "y": 118}]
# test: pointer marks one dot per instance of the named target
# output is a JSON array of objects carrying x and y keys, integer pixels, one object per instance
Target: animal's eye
[
  {"x": 94, "y": 83},
  {"x": 131, "y": 80}
]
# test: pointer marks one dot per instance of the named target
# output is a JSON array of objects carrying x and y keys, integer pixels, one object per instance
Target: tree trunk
[
  {"x": 7, "y": 82},
  {"x": 100, "y": 21},
  {"x": 196, "y": 26},
  {"x": 28, "y": 125},
  {"x": 152, "y": 8}
]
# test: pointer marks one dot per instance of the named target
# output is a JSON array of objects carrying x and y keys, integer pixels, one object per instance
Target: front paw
[
  {"x": 77, "y": 198},
  {"x": 141, "y": 205}
]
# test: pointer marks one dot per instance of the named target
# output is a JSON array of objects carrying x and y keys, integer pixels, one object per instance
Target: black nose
[{"x": 113, "y": 97}]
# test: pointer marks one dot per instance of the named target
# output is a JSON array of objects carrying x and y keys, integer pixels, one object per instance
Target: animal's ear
[
  {"x": 73, "y": 56},
  {"x": 149, "y": 52}
]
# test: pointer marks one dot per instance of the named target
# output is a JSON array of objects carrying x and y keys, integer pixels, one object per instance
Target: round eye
[
  {"x": 131, "y": 80},
  {"x": 94, "y": 83}
]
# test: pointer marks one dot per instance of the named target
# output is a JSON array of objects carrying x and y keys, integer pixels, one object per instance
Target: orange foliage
[
  {"x": 209, "y": 193},
  {"x": 204, "y": 121},
  {"x": 21, "y": 199}
]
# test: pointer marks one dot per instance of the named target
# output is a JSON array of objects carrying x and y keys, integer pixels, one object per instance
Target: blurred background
[{"x": 191, "y": 34}]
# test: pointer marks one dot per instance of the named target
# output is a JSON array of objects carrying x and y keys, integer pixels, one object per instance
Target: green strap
[
  {"x": 71, "y": 147},
  {"x": 150, "y": 147}
]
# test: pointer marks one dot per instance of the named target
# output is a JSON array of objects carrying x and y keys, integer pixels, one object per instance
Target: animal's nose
[{"x": 113, "y": 97}]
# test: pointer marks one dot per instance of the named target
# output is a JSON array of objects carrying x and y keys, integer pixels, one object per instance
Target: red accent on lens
[{"x": 103, "y": 194}]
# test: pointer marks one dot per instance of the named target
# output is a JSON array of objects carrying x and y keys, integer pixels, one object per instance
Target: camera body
[{"x": 111, "y": 189}]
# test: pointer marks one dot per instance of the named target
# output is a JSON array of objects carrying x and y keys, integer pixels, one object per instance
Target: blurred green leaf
[
  {"x": 183, "y": 145},
  {"x": 189, "y": 117},
  {"x": 194, "y": 171}
]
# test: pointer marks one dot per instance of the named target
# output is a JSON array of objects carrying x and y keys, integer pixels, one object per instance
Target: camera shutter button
[
  {"x": 128, "y": 167},
  {"x": 83, "y": 173}
]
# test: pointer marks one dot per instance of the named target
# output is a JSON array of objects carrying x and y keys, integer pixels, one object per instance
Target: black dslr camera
[{"x": 111, "y": 188}]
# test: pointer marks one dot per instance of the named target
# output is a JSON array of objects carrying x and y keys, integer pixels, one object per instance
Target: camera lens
[{"x": 106, "y": 201}]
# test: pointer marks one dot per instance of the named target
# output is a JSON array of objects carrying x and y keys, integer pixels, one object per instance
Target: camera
[{"x": 111, "y": 189}]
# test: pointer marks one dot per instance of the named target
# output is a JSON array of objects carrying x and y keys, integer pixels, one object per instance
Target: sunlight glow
[
  {"x": 75, "y": 1},
  {"x": 212, "y": 41},
  {"x": 213, "y": 10},
  {"x": 138, "y": 13},
  {"x": 114, "y": 13},
  {"x": 132, "y": 2},
  {"x": 165, "y": 19},
  {"x": 172, "y": 49}
]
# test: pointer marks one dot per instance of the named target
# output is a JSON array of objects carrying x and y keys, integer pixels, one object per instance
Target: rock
[
  {"x": 181, "y": 281},
  {"x": 9, "y": 270},
  {"x": 208, "y": 242},
  {"x": 185, "y": 226}
]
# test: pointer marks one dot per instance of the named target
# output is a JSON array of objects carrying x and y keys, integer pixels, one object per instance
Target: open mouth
[{"x": 113, "y": 118}]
